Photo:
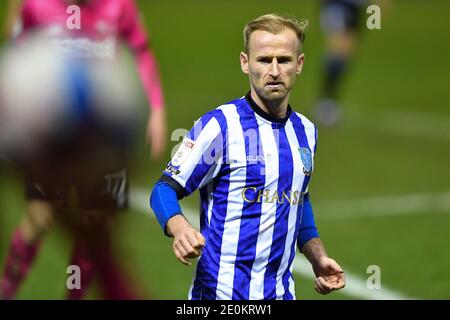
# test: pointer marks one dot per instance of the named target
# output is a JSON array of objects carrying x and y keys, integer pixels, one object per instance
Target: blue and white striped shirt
[{"x": 253, "y": 173}]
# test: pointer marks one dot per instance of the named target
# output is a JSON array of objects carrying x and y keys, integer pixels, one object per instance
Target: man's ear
[
  {"x": 300, "y": 62},
  {"x": 244, "y": 62}
]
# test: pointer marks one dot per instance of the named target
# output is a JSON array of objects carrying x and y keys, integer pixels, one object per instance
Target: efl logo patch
[
  {"x": 183, "y": 152},
  {"x": 305, "y": 155},
  {"x": 172, "y": 170}
]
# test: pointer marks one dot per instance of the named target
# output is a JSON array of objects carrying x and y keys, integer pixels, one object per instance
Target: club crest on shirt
[
  {"x": 305, "y": 155},
  {"x": 183, "y": 152}
]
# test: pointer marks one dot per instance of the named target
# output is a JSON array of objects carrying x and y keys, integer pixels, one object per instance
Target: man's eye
[
  {"x": 264, "y": 60},
  {"x": 284, "y": 60}
]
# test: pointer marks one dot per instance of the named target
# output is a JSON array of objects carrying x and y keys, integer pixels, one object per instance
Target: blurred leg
[
  {"x": 340, "y": 48},
  {"x": 100, "y": 195},
  {"x": 96, "y": 234},
  {"x": 24, "y": 246}
]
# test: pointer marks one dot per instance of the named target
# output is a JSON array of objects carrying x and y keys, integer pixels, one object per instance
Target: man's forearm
[
  {"x": 164, "y": 203},
  {"x": 314, "y": 250}
]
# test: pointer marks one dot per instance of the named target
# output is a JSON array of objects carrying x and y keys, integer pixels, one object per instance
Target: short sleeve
[{"x": 199, "y": 157}]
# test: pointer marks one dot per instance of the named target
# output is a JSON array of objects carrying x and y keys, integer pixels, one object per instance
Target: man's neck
[{"x": 275, "y": 108}]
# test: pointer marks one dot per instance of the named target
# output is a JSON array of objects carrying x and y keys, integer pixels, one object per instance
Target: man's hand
[
  {"x": 330, "y": 275},
  {"x": 187, "y": 242},
  {"x": 156, "y": 133}
]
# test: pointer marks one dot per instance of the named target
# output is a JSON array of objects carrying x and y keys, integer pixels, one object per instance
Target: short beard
[
  {"x": 269, "y": 100},
  {"x": 272, "y": 97}
]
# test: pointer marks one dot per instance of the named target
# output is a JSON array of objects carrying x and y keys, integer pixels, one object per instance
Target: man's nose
[{"x": 274, "y": 69}]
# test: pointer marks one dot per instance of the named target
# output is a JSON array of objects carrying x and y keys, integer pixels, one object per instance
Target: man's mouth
[{"x": 274, "y": 84}]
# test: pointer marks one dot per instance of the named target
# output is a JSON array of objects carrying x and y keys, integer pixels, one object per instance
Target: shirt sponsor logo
[
  {"x": 265, "y": 159},
  {"x": 252, "y": 195},
  {"x": 105, "y": 28},
  {"x": 86, "y": 48}
]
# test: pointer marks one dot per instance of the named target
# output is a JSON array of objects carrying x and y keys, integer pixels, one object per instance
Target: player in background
[
  {"x": 103, "y": 24},
  {"x": 341, "y": 22}
]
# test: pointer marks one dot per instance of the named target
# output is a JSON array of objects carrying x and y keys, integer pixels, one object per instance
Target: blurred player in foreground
[
  {"x": 252, "y": 160},
  {"x": 102, "y": 189}
]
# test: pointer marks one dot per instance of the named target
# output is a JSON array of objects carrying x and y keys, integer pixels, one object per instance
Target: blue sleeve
[
  {"x": 308, "y": 229},
  {"x": 164, "y": 202}
]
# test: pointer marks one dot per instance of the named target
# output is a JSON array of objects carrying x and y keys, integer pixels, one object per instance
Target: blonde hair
[{"x": 275, "y": 24}]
